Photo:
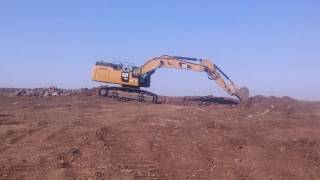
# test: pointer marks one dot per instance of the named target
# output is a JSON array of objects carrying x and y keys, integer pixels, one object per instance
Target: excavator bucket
[{"x": 243, "y": 94}]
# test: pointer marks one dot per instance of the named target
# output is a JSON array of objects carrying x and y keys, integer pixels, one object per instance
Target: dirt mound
[
  {"x": 197, "y": 100},
  {"x": 48, "y": 91},
  {"x": 55, "y": 91},
  {"x": 263, "y": 100},
  {"x": 89, "y": 137}
]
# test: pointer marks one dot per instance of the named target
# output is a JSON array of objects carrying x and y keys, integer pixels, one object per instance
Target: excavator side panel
[{"x": 116, "y": 76}]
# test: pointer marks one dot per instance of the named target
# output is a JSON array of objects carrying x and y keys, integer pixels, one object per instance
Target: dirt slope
[{"x": 87, "y": 137}]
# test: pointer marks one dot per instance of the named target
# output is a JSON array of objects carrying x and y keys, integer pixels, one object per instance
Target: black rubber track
[{"x": 128, "y": 90}]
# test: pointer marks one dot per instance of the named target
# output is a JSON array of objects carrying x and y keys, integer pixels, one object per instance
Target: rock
[
  {"x": 55, "y": 91},
  {"x": 127, "y": 171},
  {"x": 75, "y": 151},
  {"x": 55, "y": 94},
  {"x": 266, "y": 111},
  {"x": 46, "y": 94},
  {"x": 17, "y": 93}
]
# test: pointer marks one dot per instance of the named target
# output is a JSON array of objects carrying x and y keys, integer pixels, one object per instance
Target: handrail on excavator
[{"x": 185, "y": 58}]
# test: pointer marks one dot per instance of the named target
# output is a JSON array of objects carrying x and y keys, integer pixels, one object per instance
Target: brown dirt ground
[{"x": 88, "y": 137}]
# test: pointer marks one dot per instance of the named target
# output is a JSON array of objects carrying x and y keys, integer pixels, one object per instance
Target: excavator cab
[
  {"x": 126, "y": 69},
  {"x": 145, "y": 79}
]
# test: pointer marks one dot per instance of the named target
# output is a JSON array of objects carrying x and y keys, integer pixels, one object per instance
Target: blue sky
[{"x": 272, "y": 47}]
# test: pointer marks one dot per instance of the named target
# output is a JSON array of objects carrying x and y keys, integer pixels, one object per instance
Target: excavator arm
[{"x": 194, "y": 64}]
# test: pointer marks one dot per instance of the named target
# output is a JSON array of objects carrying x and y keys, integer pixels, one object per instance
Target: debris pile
[
  {"x": 197, "y": 100},
  {"x": 54, "y": 91}
]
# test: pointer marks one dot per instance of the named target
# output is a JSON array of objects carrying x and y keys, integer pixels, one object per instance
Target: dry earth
[{"x": 88, "y": 137}]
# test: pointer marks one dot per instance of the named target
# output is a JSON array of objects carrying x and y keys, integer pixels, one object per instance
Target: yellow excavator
[{"x": 132, "y": 78}]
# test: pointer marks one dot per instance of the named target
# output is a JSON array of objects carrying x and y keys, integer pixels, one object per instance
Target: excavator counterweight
[{"x": 132, "y": 78}]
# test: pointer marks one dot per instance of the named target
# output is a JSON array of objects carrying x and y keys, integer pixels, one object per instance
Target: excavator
[{"x": 131, "y": 78}]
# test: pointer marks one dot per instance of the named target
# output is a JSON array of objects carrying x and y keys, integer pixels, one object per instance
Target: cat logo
[
  {"x": 185, "y": 66},
  {"x": 125, "y": 76}
]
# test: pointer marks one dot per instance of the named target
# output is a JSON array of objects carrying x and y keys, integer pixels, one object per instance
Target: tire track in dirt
[{"x": 131, "y": 153}]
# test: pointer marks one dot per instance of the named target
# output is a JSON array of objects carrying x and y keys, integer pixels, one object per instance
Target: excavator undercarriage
[{"x": 128, "y": 94}]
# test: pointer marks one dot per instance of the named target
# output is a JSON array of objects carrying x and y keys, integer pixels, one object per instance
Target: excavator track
[{"x": 128, "y": 94}]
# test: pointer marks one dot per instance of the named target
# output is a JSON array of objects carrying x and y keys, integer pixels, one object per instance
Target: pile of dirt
[
  {"x": 265, "y": 101},
  {"x": 90, "y": 137},
  {"x": 197, "y": 100},
  {"x": 54, "y": 91}
]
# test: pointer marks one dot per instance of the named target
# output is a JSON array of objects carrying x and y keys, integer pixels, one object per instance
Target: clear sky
[{"x": 272, "y": 47}]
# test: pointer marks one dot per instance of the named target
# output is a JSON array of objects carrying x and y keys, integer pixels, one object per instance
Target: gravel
[{"x": 54, "y": 91}]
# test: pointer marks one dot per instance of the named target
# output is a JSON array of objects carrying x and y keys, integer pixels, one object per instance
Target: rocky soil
[
  {"x": 49, "y": 91},
  {"x": 78, "y": 135}
]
